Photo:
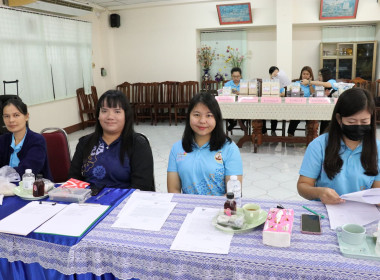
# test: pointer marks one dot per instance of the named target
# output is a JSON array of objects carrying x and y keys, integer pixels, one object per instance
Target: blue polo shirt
[
  {"x": 14, "y": 160},
  {"x": 203, "y": 171},
  {"x": 351, "y": 178},
  {"x": 232, "y": 85},
  {"x": 103, "y": 166},
  {"x": 305, "y": 89}
]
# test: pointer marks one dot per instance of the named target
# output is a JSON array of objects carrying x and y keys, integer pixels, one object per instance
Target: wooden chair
[
  {"x": 186, "y": 92},
  {"x": 210, "y": 85},
  {"x": 86, "y": 108},
  {"x": 164, "y": 101},
  {"x": 126, "y": 89},
  {"x": 144, "y": 95}
]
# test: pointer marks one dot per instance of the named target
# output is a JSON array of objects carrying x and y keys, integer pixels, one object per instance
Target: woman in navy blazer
[{"x": 22, "y": 148}]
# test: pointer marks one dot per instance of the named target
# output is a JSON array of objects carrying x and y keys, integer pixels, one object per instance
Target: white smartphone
[{"x": 310, "y": 224}]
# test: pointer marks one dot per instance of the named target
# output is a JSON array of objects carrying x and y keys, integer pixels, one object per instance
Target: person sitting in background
[
  {"x": 203, "y": 161},
  {"x": 325, "y": 79},
  {"x": 273, "y": 72},
  {"x": 114, "y": 155},
  {"x": 346, "y": 159},
  {"x": 308, "y": 90},
  {"x": 22, "y": 148},
  {"x": 235, "y": 89}
]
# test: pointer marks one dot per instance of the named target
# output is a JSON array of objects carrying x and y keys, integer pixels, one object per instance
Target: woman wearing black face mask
[{"x": 345, "y": 159}]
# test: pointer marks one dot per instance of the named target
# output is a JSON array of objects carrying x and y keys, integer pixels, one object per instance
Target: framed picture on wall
[
  {"x": 332, "y": 9},
  {"x": 234, "y": 13}
]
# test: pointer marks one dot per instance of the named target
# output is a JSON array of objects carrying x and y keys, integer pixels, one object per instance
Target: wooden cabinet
[{"x": 350, "y": 59}]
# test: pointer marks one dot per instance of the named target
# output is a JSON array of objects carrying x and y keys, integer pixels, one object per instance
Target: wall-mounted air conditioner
[{"x": 60, "y": 7}]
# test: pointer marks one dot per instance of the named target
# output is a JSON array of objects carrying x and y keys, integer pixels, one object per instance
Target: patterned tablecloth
[
  {"x": 276, "y": 111},
  {"x": 146, "y": 255}
]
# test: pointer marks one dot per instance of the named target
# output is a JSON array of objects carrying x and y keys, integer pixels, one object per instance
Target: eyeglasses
[{"x": 235, "y": 76}]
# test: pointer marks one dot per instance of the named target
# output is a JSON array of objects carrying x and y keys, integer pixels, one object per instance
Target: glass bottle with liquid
[
  {"x": 230, "y": 204},
  {"x": 38, "y": 186}
]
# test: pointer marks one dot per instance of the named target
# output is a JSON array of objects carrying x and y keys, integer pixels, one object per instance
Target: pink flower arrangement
[{"x": 235, "y": 59}]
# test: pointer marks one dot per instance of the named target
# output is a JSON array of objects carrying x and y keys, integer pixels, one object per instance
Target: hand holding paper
[{"x": 370, "y": 196}]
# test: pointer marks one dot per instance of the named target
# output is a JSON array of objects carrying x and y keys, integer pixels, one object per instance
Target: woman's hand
[
  {"x": 329, "y": 196},
  {"x": 305, "y": 82}
]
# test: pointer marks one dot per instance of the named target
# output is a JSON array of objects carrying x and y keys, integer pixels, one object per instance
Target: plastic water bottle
[
  {"x": 234, "y": 185},
  {"x": 28, "y": 179}
]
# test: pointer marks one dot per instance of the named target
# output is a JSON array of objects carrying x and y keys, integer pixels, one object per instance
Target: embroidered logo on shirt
[
  {"x": 181, "y": 156},
  {"x": 99, "y": 172},
  {"x": 218, "y": 157}
]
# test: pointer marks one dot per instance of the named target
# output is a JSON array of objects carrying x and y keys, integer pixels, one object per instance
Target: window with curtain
[
  {"x": 219, "y": 41},
  {"x": 50, "y": 56},
  {"x": 350, "y": 33}
]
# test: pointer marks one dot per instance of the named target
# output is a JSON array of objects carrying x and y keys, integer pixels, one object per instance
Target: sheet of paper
[
  {"x": 371, "y": 196},
  {"x": 149, "y": 196},
  {"x": 352, "y": 212},
  {"x": 29, "y": 217},
  {"x": 197, "y": 234},
  {"x": 145, "y": 215},
  {"x": 73, "y": 220}
]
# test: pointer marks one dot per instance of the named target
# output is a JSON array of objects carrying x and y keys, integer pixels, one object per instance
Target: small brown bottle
[
  {"x": 38, "y": 186},
  {"x": 230, "y": 204}
]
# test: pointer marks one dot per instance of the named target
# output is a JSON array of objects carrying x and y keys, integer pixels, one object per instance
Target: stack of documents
[
  {"x": 145, "y": 211},
  {"x": 29, "y": 217},
  {"x": 359, "y": 208},
  {"x": 197, "y": 234}
]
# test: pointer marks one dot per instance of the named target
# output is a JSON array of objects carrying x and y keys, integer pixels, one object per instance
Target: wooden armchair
[
  {"x": 186, "y": 92},
  {"x": 144, "y": 94},
  {"x": 164, "y": 101},
  {"x": 87, "y": 107}
]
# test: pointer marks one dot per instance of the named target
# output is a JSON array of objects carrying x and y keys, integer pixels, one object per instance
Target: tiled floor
[{"x": 272, "y": 173}]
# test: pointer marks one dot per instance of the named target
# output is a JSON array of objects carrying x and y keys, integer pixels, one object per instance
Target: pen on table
[
  {"x": 312, "y": 211},
  {"x": 102, "y": 194}
]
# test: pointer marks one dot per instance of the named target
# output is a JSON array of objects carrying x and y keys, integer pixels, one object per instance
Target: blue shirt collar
[{"x": 17, "y": 148}]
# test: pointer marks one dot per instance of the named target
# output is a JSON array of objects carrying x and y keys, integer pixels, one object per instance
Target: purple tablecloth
[{"x": 128, "y": 253}]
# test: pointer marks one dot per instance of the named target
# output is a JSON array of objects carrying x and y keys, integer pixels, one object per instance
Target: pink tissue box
[{"x": 278, "y": 227}]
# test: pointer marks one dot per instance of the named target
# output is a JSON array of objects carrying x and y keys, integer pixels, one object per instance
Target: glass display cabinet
[{"x": 350, "y": 59}]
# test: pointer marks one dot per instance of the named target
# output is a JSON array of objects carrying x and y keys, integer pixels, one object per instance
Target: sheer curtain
[
  {"x": 351, "y": 33},
  {"x": 219, "y": 41},
  {"x": 50, "y": 56}
]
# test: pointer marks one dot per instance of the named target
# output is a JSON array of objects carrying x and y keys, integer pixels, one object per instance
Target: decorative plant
[
  {"x": 234, "y": 58},
  {"x": 219, "y": 77},
  {"x": 205, "y": 56}
]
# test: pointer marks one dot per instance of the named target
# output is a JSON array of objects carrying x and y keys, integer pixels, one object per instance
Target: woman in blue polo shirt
[
  {"x": 114, "y": 155},
  {"x": 346, "y": 159},
  {"x": 203, "y": 161}
]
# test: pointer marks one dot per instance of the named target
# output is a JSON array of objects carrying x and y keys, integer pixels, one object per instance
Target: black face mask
[{"x": 355, "y": 132}]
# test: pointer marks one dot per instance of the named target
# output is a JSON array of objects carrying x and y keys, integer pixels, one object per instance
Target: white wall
[{"x": 158, "y": 43}]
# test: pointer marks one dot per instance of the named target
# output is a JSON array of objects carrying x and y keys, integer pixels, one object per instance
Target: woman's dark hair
[
  {"x": 349, "y": 103},
  {"x": 218, "y": 137},
  {"x": 272, "y": 69},
  {"x": 326, "y": 74},
  {"x": 235, "y": 69},
  {"x": 308, "y": 69},
  {"x": 113, "y": 99},
  {"x": 17, "y": 102}
]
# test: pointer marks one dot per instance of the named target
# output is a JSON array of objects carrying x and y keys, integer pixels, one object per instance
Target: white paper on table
[
  {"x": 197, "y": 234},
  {"x": 371, "y": 196},
  {"x": 1, "y": 199},
  {"x": 352, "y": 212},
  {"x": 209, "y": 212},
  {"x": 145, "y": 215},
  {"x": 150, "y": 196},
  {"x": 29, "y": 217},
  {"x": 73, "y": 220}
]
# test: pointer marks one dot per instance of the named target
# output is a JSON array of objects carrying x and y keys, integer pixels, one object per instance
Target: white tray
[{"x": 366, "y": 250}]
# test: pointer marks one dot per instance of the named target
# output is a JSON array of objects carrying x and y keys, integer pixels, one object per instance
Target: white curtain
[
  {"x": 50, "y": 56},
  {"x": 219, "y": 41},
  {"x": 351, "y": 33}
]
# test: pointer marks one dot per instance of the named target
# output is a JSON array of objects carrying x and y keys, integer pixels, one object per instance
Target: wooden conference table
[
  {"x": 127, "y": 253},
  {"x": 312, "y": 112}
]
